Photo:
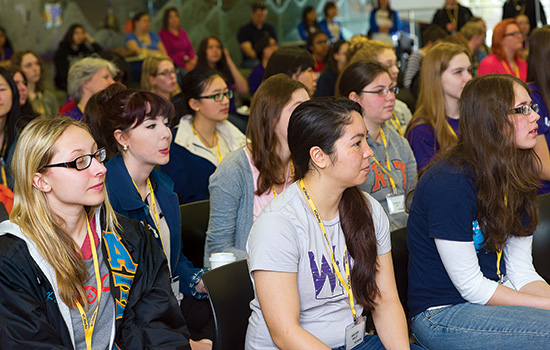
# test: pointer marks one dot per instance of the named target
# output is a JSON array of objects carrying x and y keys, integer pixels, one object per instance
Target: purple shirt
[
  {"x": 423, "y": 142},
  {"x": 544, "y": 126},
  {"x": 256, "y": 77},
  {"x": 178, "y": 47}
]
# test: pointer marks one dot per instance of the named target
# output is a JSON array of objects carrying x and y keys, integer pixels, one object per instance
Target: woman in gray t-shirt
[{"x": 307, "y": 295}]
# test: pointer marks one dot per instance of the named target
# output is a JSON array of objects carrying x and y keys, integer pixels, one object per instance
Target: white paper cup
[{"x": 220, "y": 259}]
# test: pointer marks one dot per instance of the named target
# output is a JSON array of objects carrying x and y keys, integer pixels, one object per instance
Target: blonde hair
[
  {"x": 32, "y": 212},
  {"x": 368, "y": 51},
  {"x": 150, "y": 68},
  {"x": 431, "y": 101}
]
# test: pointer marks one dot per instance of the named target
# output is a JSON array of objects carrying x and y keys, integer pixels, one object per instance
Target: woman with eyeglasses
[
  {"x": 538, "y": 76},
  {"x": 73, "y": 274},
  {"x": 506, "y": 52},
  {"x": 203, "y": 136},
  {"x": 136, "y": 128},
  {"x": 472, "y": 284},
  {"x": 384, "y": 53},
  {"x": 158, "y": 75},
  {"x": 393, "y": 166},
  {"x": 446, "y": 68},
  {"x": 249, "y": 178}
]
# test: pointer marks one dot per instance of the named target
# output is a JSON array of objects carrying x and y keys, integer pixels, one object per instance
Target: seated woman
[
  {"x": 538, "y": 76},
  {"x": 158, "y": 75},
  {"x": 296, "y": 63},
  {"x": 86, "y": 77},
  {"x": 309, "y": 24},
  {"x": 10, "y": 112},
  {"x": 317, "y": 44},
  {"x": 506, "y": 50},
  {"x": 176, "y": 41},
  {"x": 75, "y": 45},
  {"x": 6, "y": 50},
  {"x": 213, "y": 55},
  {"x": 43, "y": 101},
  {"x": 142, "y": 41},
  {"x": 27, "y": 113},
  {"x": 265, "y": 47},
  {"x": 203, "y": 136},
  {"x": 135, "y": 124},
  {"x": 393, "y": 163},
  {"x": 64, "y": 243},
  {"x": 249, "y": 178},
  {"x": 336, "y": 61},
  {"x": 469, "y": 234},
  {"x": 384, "y": 22},
  {"x": 329, "y": 25},
  {"x": 301, "y": 301},
  {"x": 384, "y": 53},
  {"x": 434, "y": 126}
]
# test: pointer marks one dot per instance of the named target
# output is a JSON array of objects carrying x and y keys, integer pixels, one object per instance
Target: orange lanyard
[
  {"x": 508, "y": 71},
  {"x": 345, "y": 283},
  {"x": 387, "y": 172},
  {"x": 89, "y": 326}
]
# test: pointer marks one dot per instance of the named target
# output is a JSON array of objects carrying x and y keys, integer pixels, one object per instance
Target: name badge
[
  {"x": 176, "y": 288},
  {"x": 396, "y": 203},
  {"x": 355, "y": 333}
]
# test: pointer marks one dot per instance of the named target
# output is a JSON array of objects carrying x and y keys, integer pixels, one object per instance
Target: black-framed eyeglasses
[
  {"x": 219, "y": 96},
  {"x": 166, "y": 73},
  {"x": 526, "y": 109},
  {"x": 516, "y": 33},
  {"x": 383, "y": 92},
  {"x": 82, "y": 162}
]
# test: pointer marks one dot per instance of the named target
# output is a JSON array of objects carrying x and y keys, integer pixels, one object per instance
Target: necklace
[{"x": 203, "y": 139}]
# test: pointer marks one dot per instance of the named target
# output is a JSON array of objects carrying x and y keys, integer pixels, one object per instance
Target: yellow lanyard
[
  {"x": 153, "y": 207},
  {"x": 499, "y": 251},
  {"x": 89, "y": 326},
  {"x": 40, "y": 105},
  {"x": 451, "y": 130},
  {"x": 387, "y": 172},
  {"x": 453, "y": 17},
  {"x": 291, "y": 170},
  {"x": 2, "y": 164},
  {"x": 345, "y": 283},
  {"x": 521, "y": 9},
  {"x": 508, "y": 71},
  {"x": 215, "y": 137},
  {"x": 397, "y": 124}
]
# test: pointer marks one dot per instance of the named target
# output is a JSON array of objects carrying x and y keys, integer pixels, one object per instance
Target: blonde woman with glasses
[
  {"x": 73, "y": 274},
  {"x": 158, "y": 75}
]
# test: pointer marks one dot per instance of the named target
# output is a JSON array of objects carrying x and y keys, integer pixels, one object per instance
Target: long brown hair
[
  {"x": 16, "y": 61},
  {"x": 505, "y": 179},
  {"x": 430, "y": 108},
  {"x": 321, "y": 122},
  {"x": 538, "y": 70},
  {"x": 265, "y": 111}
]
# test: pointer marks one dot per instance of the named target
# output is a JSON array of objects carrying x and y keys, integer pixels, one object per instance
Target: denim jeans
[
  {"x": 372, "y": 342},
  {"x": 472, "y": 326}
]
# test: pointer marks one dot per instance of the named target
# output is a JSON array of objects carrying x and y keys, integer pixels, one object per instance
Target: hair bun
[{"x": 104, "y": 97}]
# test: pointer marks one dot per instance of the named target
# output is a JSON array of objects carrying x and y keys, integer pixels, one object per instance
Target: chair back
[
  {"x": 400, "y": 257},
  {"x": 230, "y": 291},
  {"x": 194, "y": 223},
  {"x": 541, "y": 239}
]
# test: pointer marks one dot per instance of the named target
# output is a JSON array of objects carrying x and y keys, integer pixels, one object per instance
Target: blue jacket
[
  {"x": 396, "y": 23},
  {"x": 323, "y": 26},
  {"x": 126, "y": 201}
]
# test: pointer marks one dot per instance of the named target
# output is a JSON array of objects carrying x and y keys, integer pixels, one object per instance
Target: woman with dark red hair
[{"x": 506, "y": 48}]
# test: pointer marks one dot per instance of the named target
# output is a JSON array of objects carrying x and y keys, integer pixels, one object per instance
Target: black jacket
[
  {"x": 66, "y": 55},
  {"x": 147, "y": 314}
]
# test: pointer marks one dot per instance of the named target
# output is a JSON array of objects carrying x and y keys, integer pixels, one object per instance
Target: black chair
[
  {"x": 194, "y": 222},
  {"x": 541, "y": 239},
  {"x": 400, "y": 257},
  {"x": 230, "y": 291}
]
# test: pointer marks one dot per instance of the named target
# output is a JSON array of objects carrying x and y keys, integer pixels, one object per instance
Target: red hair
[{"x": 498, "y": 36}]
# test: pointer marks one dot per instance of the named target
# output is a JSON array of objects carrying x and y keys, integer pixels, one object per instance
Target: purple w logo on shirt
[{"x": 321, "y": 275}]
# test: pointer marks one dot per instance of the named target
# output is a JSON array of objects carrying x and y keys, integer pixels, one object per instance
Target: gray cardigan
[{"x": 231, "y": 207}]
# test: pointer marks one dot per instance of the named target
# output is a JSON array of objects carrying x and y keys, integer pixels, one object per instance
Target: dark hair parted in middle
[
  {"x": 487, "y": 145},
  {"x": 265, "y": 111},
  {"x": 358, "y": 75},
  {"x": 124, "y": 109},
  {"x": 320, "y": 123},
  {"x": 290, "y": 61}
]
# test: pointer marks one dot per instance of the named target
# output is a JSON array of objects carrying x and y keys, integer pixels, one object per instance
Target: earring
[
  {"x": 125, "y": 148},
  {"x": 196, "y": 110}
]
